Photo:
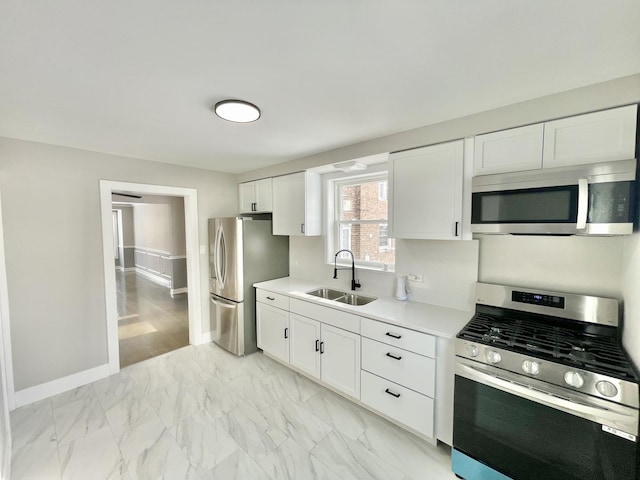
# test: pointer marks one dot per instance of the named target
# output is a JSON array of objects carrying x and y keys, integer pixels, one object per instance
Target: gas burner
[{"x": 579, "y": 353}]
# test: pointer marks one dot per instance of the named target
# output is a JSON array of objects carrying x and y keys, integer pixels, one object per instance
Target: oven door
[{"x": 537, "y": 431}]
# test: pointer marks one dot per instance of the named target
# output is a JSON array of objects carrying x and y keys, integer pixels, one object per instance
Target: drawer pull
[
  {"x": 391, "y": 355},
  {"x": 397, "y": 395},
  {"x": 397, "y": 337},
  {"x": 270, "y": 298}
]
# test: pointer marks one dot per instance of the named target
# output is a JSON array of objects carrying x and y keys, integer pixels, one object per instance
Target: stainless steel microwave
[{"x": 596, "y": 199}]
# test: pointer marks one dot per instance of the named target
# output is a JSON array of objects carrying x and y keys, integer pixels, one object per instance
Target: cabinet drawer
[
  {"x": 398, "y": 402},
  {"x": 405, "y": 368},
  {"x": 276, "y": 299},
  {"x": 330, "y": 316},
  {"x": 400, "y": 337}
]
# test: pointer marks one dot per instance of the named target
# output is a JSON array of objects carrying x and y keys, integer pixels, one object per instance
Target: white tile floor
[{"x": 201, "y": 413}]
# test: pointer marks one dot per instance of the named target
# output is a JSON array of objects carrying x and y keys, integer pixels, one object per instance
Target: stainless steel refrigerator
[{"x": 242, "y": 251}]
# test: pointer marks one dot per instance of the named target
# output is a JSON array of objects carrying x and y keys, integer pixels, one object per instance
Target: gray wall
[
  {"x": 631, "y": 295},
  {"x": 53, "y": 242},
  {"x": 159, "y": 224},
  {"x": 152, "y": 227}
]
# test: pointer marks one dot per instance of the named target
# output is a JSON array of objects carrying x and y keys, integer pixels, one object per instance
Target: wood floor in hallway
[{"x": 151, "y": 322}]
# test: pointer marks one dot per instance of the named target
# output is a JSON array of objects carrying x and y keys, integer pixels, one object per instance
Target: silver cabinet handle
[{"x": 583, "y": 203}]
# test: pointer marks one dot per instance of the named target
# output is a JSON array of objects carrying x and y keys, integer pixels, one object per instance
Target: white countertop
[{"x": 433, "y": 319}]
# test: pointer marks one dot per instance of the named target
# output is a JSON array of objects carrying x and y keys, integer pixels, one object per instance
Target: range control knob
[
  {"x": 531, "y": 367},
  {"x": 607, "y": 389},
  {"x": 574, "y": 379},
  {"x": 472, "y": 350},
  {"x": 493, "y": 357}
]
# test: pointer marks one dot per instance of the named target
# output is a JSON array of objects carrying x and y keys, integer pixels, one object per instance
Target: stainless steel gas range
[{"x": 544, "y": 389}]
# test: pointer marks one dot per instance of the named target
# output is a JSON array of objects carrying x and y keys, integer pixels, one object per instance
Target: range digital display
[{"x": 553, "y": 301}]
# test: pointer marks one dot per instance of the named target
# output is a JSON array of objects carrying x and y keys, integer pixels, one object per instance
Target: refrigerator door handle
[
  {"x": 222, "y": 303},
  {"x": 220, "y": 258}
]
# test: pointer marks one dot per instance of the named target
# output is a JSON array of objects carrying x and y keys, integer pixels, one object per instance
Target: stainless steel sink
[
  {"x": 355, "y": 299},
  {"x": 342, "y": 297},
  {"x": 327, "y": 293}
]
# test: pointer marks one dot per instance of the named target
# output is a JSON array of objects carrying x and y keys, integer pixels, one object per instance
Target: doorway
[
  {"x": 151, "y": 281},
  {"x": 193, "y": 297}
]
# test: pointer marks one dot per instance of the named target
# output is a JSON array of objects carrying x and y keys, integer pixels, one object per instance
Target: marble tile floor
[
  {"x": 152, "y": 322},
  {"x": 200, "y": 413}
]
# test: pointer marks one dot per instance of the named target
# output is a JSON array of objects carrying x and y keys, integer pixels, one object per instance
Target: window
[
  {"x": 384, "y": 241},
  {"x": 382, "y": 191},
  {"x": 360, "y": 223}
]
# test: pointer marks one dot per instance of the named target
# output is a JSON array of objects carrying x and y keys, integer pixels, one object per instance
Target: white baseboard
[
  {"x": 176, "y": 291},
  {"x": 206, "y": 337},
  {"x": 166, "y": 282},
  {"x": 125, "y": 269},
  {"x": 60, "y": 385}
]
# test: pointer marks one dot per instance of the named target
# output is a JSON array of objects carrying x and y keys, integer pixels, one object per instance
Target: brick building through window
[{"x": 361, "y": 221}]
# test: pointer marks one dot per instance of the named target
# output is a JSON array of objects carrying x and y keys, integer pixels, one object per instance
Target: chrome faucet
[{"x": 354, "y": 283}]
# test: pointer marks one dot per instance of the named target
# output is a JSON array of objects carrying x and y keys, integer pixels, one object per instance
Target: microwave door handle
[{"x": 583, "y": 203}]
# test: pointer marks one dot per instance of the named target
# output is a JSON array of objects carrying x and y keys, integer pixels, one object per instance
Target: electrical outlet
[{"x": 415, "y": 277}]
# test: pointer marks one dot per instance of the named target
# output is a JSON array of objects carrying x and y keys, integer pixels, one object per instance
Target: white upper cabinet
[
  {"x": 425, "y": 200},
  {"x": 604, "y": 136},
  {"x": 509, "y": 150},
  {"x": 297, "y": 204},
  {"x": 256, "y": 197},
  {"x": 608, "y": 135}
]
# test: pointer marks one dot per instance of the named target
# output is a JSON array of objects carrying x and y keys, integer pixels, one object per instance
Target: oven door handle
[{"x": 616, "y": 416}]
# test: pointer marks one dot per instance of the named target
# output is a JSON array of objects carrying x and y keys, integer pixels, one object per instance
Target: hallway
[{"x": 150, "y": 321}]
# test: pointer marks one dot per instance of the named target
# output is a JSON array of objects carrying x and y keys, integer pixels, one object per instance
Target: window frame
[{"x": 333, "y": 205}]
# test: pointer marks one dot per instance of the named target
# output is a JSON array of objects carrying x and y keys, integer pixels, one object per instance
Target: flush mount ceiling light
[
  {"x": 237, "y": 111},
  {"x": 349, "y": 166}
]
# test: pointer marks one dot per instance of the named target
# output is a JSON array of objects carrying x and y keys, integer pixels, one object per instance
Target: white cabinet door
[
  {"x": 272, "y": 329},
  {"x": 509, "y": 150},
  {"x": 426, "y": 192},
  {"x": 340, "y": 360},
  {"x": 304, "y": 352},
  {"x": 264, "y": 195},
  {"x": 603, "y": 136},
  {"x": 398, "y": 402},
  {"x": 297, "y": 204},
  {"x": 256, "y": 197},
  {"x": 246, "y": 197}
]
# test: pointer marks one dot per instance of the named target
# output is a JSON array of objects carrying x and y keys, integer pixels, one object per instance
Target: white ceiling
[{"x": 138, "y": 77}]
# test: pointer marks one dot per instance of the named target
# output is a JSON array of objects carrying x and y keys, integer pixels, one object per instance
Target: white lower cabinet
[
  {"x": 304, "y": 352},
  {"x": 398, "y": 402},
  {"x": 406, "y": 368},
  {"x": 340, "y": 359},
  {"x": 272, "y": 330},
  {"x": 387, "y": 368},
  {"x": 325, "y": 352},
  {"x": 399, "y": 374}
]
